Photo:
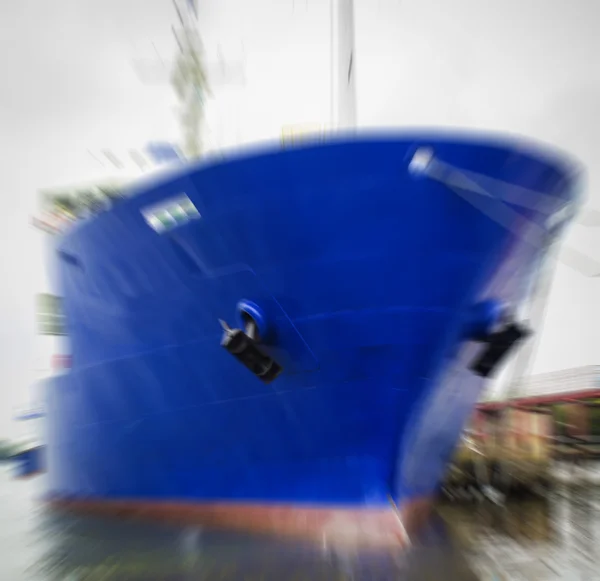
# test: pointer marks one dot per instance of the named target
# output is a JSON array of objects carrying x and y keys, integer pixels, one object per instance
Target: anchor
[
  {"x": 498, "y": 345},
  {"x": 245, "y": 346}
]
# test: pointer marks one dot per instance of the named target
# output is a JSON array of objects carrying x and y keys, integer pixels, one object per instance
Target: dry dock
[{"x": 540, "y": 538}]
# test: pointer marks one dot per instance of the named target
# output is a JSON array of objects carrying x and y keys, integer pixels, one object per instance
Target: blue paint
[{"x": 373, "y": 280}]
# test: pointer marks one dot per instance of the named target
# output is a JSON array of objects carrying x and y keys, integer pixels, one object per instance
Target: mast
[
  {"x": 189, "y": 79},
  {"x": 343, "y": 66}
]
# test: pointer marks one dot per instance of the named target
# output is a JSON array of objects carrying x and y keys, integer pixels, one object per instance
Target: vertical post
[
  {"x": 343, "y": 64},
  {"x": 189, "y": 79}
]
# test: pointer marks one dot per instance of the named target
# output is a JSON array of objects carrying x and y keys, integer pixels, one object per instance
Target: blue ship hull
[{"x": 372, "y": 282}]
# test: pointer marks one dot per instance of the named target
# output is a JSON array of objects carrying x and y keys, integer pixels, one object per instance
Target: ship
[{"x": 290, "y": 341}]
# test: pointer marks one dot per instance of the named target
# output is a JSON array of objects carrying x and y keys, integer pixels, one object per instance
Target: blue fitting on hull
[
  {"x": 250, "y": 309},
  {"x": 485, "y": 317}
]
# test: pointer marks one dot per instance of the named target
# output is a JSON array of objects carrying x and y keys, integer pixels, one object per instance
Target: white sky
[{"x": 68, "y": 84}]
